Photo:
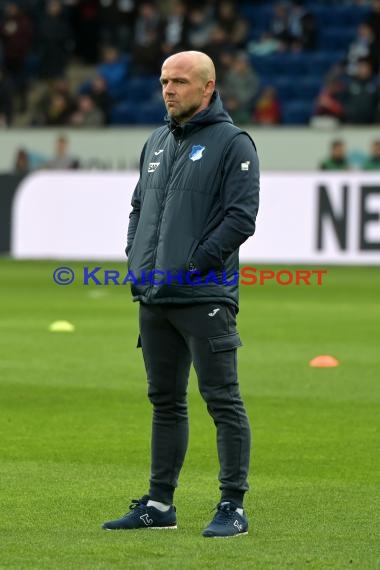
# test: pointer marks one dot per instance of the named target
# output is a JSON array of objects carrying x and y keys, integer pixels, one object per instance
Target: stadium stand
[{"x": 317, "y": 38}]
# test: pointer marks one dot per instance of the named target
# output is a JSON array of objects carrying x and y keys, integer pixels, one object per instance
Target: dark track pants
[{"x": 173, "y": 336}]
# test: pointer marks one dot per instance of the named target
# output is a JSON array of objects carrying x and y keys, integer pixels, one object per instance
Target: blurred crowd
[
  {"x": 351, "y": 91},
  {"x": 338, "y": 157},
  {"x": 25, "y": 160},
  {"x": 40, "y": 39}
]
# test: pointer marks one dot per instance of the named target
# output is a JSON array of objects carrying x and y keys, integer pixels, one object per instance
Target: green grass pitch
[{"x": 75, "y": 429}]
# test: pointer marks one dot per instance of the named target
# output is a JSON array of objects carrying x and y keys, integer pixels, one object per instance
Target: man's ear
[{"x": 210, "y": 87}]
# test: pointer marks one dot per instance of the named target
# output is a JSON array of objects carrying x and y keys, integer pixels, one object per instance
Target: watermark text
[{"x": 247, "y": 276}]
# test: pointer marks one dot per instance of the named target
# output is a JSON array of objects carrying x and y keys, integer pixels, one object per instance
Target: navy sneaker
[
  {"x": 227, "y": 522},
  {"x": 141, "y": 516}
]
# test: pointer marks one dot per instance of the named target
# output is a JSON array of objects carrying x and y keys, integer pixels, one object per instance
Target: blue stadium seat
[
  {"x": 139, "y": 88},
  {"x": 281, "y": 63},
  {"x": 259, "y": 18},
  {"x": 32, "y": 64},
  {"x": 349, "y": 15},
  {"x": 259, "y": 63},
  {"x": 296, "y": 112},
  {"x": 123, "y": 114},
  {"x": 321, "y": 61},
  {"x": 308, "y": 87},
  {"x": 355, "y": 15},
  {"x": 84, "y": 87},
  {"x": 336, "y": 38},
  {"x": 285, "y": 87},
  {"x": 151, "y": 113},
  {"x": 324, "y": 15}
]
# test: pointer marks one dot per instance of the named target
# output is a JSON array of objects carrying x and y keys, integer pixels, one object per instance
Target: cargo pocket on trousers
[{"x": 225, "y": 342}]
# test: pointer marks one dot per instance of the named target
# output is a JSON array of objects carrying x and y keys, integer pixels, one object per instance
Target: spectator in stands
[
  {"x": 6, "y": 100},
  {"x": 301, "y": 27},
  {"x": 58, "y": 112},
  {"x": 239, "y": 114},
  {"x": 279, "y": 27},
  {"x": 85, "y": 22},
  {"x": 55, "y": 105},
  {"x": 55, "y": 41},
  {"x": 235, "y": 27},
  {"x": 16, "y": 41},
  {"x": 148, "y": 40},
  {"x": 239, "y": 88},
  {"x": 337, "y": 158},
  {"x": 374, "y": 20},
  {"x": 362, "y": 100},
  {"x": 293, "y": 26},
  {"x": 148, "y": 19},
  {"x": 266, "y": 45},
  {"x": 87, "y": 114},
  {"x": 62, "y": 160},
  {"x": 21, "y": 162},
  {"x": 373, "y": 160},
  {"x": 113, "y": 70},
  {"x": 198, "y": 27},
  {"x": 267, "y": 109},
  {"x": 117, "y": 21},
  {"x": 98, "y": 91},
  {"x": 362, "y": 47},
  {"x": 220, "y": 50},
  {"x": 174, "y": 28},
  {"x": 330, "y": 101}
]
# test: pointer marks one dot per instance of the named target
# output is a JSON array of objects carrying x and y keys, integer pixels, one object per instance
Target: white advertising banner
[{"x": 319, "y": 218}]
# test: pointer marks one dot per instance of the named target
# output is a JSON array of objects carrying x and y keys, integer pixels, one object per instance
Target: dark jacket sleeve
[
  {"x": 134, "y": 216},
  {"x": 240, "y": 204}
]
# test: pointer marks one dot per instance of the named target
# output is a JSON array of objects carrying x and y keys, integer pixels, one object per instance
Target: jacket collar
[{"x": 214, "y": 113}]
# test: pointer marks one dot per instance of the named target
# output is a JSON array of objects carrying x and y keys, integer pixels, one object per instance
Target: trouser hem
[
  {"x": 233, "y": 495},
  {"x": 161, "y": 494}
]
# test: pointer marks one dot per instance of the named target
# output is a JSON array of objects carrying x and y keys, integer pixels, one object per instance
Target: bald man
[{"x": 195, "y": 203}]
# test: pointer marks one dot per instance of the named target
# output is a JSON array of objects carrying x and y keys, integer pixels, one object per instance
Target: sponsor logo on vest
[
  {"x": 196, "y": 152},
  {"x": 153, "y": 166}
]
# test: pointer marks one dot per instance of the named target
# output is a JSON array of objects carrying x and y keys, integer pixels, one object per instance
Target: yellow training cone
[{"x": 61, "y": 326}]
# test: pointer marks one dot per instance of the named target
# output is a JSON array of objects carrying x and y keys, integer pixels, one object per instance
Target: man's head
[
  {"x": 110, "y": 54},
  {"x": 240, "y": 63},
  {"x": 54, "y": 8},
  {"x": 338, "y": 149},
  {"x": 85, "y": 103},
  {"x": 188, "y": 82},
  {"x": 364, "y": 70},
  {"x": 11, "y": 10},
  {"x": 375, "y": 149},
  {"x": 61, "y": 145},
  {"x": 365, "y": 32}
]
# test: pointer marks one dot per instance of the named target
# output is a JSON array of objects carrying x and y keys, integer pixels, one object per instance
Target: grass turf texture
[{"x": 75, "y": 429}]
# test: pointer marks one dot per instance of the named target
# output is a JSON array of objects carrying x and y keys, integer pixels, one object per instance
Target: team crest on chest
[{"x": 196, "y": 152}]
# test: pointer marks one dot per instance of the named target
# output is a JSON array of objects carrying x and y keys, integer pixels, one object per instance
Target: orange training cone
[{"x": 324, "y": 361}]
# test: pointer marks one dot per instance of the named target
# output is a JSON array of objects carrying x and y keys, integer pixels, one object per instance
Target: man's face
[
  {"x": 61, "y": 146},
  {"x": 364, "y": 70},
  {"x": 338, "y": 151},
  {"x": 183, "y": 89},
  {"x": 376, "y": 149}
]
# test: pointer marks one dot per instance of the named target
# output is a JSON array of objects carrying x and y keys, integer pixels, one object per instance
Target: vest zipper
[{"x": 162, "y": 210}]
